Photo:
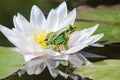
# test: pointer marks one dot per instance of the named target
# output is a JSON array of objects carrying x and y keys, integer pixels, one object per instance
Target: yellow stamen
[{"x": 41, "y": 39}]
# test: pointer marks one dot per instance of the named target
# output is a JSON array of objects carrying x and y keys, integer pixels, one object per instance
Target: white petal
[
  {"x": 54, "y": 73},
  {"x": 34, "y": 45},
  {"x": 80, "y": 36},
  {"x": 93, "y": 39},
  {"x": 69, "y": 20},
  {"x": 62, "y": 57},
  {"x": 21, "y": 72},
  {"x": 52, "y": 63},
  {"x": 22, "y": 40},
  {"x": 52, "y": 20},
  {"x": 78, "y": 45},
  {"x": 76, "y": 48},
  {"x": 28, "y": 56},
  {"x": 37, "y": 17},
  {"x": 31, "y": 70},
  {"x": 50, "y": 52},
  {"x": 4, "y": 30},
  {"x": 16, "y": 24},
  {"x": 91, "y": 30},
  {"x": 27, "y": 43},
  {"x": 85, "y": 42},
  {"x": 73, "y": 38},
  {"x": 34, "y": 65},
  {"x": 63, "y": 74},
  {"x": 61, "y": 12},
  {"x": 10, "y": 36},
  {"x": 40, "y": 68},
  {"x": 89, "y": 41},
  {"x": 97, "y": 45},
  {"x": 23, "y": 25},
  {"x": 88, "y": 32},
  {"x": 77, "y": 59},
  {"x": 64, "y": 62},
  {"x": 20, "y": 22},
  {"x": 91, "y": 55}
]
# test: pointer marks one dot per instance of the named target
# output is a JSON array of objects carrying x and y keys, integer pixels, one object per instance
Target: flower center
[{"x": 41, "y": 39}]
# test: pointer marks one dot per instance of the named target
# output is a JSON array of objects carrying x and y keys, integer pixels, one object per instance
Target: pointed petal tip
[
  {"x": 92, "y": 29},
  {"x": 95, "y": 26},
  {"x": 97, "y": 36},
  {"x": 2, "y": 27},
  {"x": 34, "y": 7},
  {"x": 88, "y": 63},
  {"x": 62, "y": 6},
  {"x": 63, "y": 3},
  {"x": 19, "y": 15},
  {"x": 101, "y": 35},
  {"x": 71, "y": 17},
  {"x": 14, "y": 18},
  {"x": 75, "y": 10}
]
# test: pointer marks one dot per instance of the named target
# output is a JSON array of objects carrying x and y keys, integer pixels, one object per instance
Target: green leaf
[
  {"x": 107, "y": 18},
  {"x": 111, "y": 33},
  {"x": 104, "y": 70},
  {"x": 101, "y": 14},
  {"x": 10, "y": 62}
]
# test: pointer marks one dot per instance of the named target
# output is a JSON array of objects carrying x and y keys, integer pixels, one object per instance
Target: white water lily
[
  {"x": 29, "y": 39},
  {"x": 22, "y": 36}
]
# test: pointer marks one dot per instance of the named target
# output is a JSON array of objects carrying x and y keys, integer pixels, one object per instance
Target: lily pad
[
  {"x": 10, "y": 62},
  {"x": 111, "y": 33},
  {"x": 104, "y": 70},
  {"x": 107, "y": 17}
]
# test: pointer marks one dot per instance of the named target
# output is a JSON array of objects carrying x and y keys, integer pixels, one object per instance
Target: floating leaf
[
  {"x": 10, "y": 62},
  {"x": 104, "y": 70},
  {"x": 107, "y": 17}
]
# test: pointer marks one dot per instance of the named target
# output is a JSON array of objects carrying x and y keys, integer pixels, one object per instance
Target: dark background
[{"x": 9, "y": 8}]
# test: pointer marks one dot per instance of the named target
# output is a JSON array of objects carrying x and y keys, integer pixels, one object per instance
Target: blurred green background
[{"x": 9, "y": 8}]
